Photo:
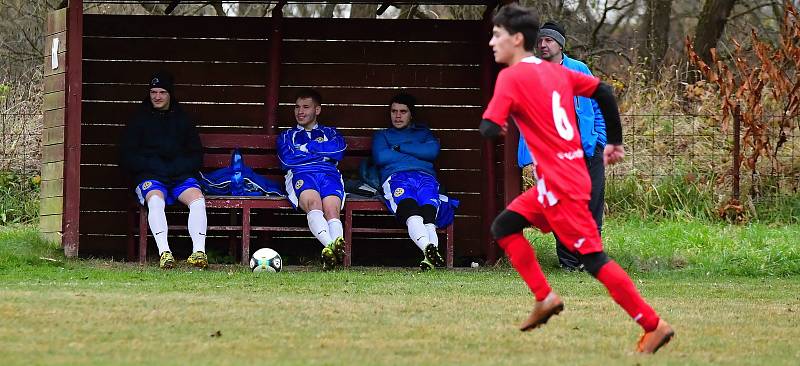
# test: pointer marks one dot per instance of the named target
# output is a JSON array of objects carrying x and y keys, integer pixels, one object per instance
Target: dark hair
[
  {"x": 407, "y": 99},
  {"x": 309, "y": 93},
  {"x": 515, "y": 18}
]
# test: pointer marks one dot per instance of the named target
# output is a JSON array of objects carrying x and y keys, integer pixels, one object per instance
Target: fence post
[{"x": 737, "y": 121}]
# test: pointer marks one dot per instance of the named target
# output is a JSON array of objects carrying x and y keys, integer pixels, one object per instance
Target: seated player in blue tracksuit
[
  {"x": 404, "y": 154},
  {"x": 309, "y": 153}
]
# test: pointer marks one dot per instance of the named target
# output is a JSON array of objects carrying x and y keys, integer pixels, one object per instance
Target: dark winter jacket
[{"x": 161, "y": 145}]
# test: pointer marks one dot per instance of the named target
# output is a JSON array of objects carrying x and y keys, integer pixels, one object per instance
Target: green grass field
[{"x": 57, "y": 311}]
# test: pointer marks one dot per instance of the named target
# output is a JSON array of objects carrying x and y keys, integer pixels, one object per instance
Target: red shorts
[{"x": 570, "y": 219}]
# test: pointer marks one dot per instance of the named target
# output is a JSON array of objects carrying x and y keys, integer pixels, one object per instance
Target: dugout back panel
[{"x": 221, "y": 66}]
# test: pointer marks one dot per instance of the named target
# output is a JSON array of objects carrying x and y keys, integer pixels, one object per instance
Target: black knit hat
[
  {"x": 554, "y": 31},
  {"x": 163, "y": 80}
]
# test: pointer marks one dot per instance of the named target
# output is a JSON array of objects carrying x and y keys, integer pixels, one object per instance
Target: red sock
[
  {"x": 523, "y": 258},
  {"x": 624, "y": 292}
]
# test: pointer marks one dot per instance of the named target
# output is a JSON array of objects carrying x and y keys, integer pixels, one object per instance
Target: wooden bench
[{"x": 260, "y": 153}]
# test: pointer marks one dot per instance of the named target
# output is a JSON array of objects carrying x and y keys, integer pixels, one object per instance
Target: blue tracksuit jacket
[
  {"x": 325, "y": 148},
  {"x": 411, "y": 148},
  {"x": 590, "y": 120}
]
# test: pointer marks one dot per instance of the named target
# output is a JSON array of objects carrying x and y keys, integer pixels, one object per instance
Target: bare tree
[
  {"x": 655, "y": 33},
  {"x": 710, "y": 25}
]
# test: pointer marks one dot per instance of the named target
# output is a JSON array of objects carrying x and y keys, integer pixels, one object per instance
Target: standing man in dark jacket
[
  {"x": 161, "y": 150},
  {"x": 404, "y": 154}
]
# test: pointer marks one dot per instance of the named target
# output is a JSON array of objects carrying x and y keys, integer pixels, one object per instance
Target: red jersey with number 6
[{"x": 539, "y": 95}]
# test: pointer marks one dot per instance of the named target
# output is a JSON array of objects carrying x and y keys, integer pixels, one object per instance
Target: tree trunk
[
  {"x": 363, "y": 11},
  {"x": 710, "y": 26},
  {"x": 655, "y": 33}
]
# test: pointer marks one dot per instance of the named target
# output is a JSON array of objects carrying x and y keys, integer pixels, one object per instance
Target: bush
[{"x": 19, "y": 198}]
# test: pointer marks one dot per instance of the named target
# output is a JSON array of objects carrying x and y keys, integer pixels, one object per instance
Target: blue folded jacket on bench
[{"x": 238, "y": 179}]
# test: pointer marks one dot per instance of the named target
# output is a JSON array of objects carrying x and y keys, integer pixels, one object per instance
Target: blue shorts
[
  {"x": 420, "y": 187},
  {"x": 326, "y": 183},
  {"x": 171, "y": 193}
]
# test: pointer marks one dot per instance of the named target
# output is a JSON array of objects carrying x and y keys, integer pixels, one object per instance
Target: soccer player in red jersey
[{"x": 537, "y": 95}]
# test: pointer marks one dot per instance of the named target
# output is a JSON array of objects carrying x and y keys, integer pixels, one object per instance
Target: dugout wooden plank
[
  {"x": 54, "y": 118},
  {"x": 156, "y": 26},
  {"x": 51, "y": 205},
  {"x": 54, "y": 187},
  {"x": 54, "y": 83},
  {"x": 176, "y": 49},
  {"x": 52, "y": 171},
  {"x": 62, "y": 43},
  {"x": 50, "y": 223},
  {"x": 48, "y": 69},
  {"x": 56, "y": 21},
  {"x": 203, "y": 73}
]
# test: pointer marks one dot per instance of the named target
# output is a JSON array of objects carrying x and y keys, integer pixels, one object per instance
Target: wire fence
[
  {"x": 21, "y": 143},
  {"x": 657, "y": 147},
  {"x": 693, "y": 148}
]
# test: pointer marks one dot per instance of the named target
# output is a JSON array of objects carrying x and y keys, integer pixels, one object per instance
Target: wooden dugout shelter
[{"x": 238, "y": 75}]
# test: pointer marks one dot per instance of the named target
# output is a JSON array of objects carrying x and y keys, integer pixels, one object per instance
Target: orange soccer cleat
[
  {"x": 650, "y": 342},
  {"x": 542, "y": 311}
]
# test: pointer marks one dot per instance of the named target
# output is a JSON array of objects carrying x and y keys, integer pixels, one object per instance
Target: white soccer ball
[{"x": 266, "y": 260}]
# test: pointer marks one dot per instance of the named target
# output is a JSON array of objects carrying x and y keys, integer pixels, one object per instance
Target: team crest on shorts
[
  {"x": 320, "y": 139},
  {"x": 399, "y": 192},
  {"x": 147, "y": 185},
  {"x": 298, "y": 184}
]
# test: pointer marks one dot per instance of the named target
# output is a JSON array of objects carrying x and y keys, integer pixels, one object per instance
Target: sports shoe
[
  {"x": 433, "y": 256},
  {"x": 542, "y": 311},
  {"x": 426, "y": 264},
  {"x": 332, "y": 254},
  {"x": 337, "y": 246},
  {"x": 167, "y": 260},
  {"x": 650, "y": 342},
  {"x": 198, "y": 259}
]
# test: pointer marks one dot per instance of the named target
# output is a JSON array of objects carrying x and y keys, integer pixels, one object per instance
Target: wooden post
[
  {"x": 487, "y": 149},
  {"x": 274, "y": 80},
  {"x": 72, "y": 148},
  {"x": 51, "y": 209}
]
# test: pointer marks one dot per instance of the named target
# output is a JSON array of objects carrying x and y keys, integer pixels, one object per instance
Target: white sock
[
  {"x": 197, "y": 224},
  {"x": 432, "y": 236},
  {"x": 335, "y": 228},
  {"x": 158, "y": 222},
  {"x": 418, "y": 232},
  {"x": 318, "y": 226}
]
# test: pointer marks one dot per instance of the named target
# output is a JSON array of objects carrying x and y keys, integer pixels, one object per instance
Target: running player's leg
[
  {"x": 575, "y": 225},
  {"x": 507, "y": 230}
]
